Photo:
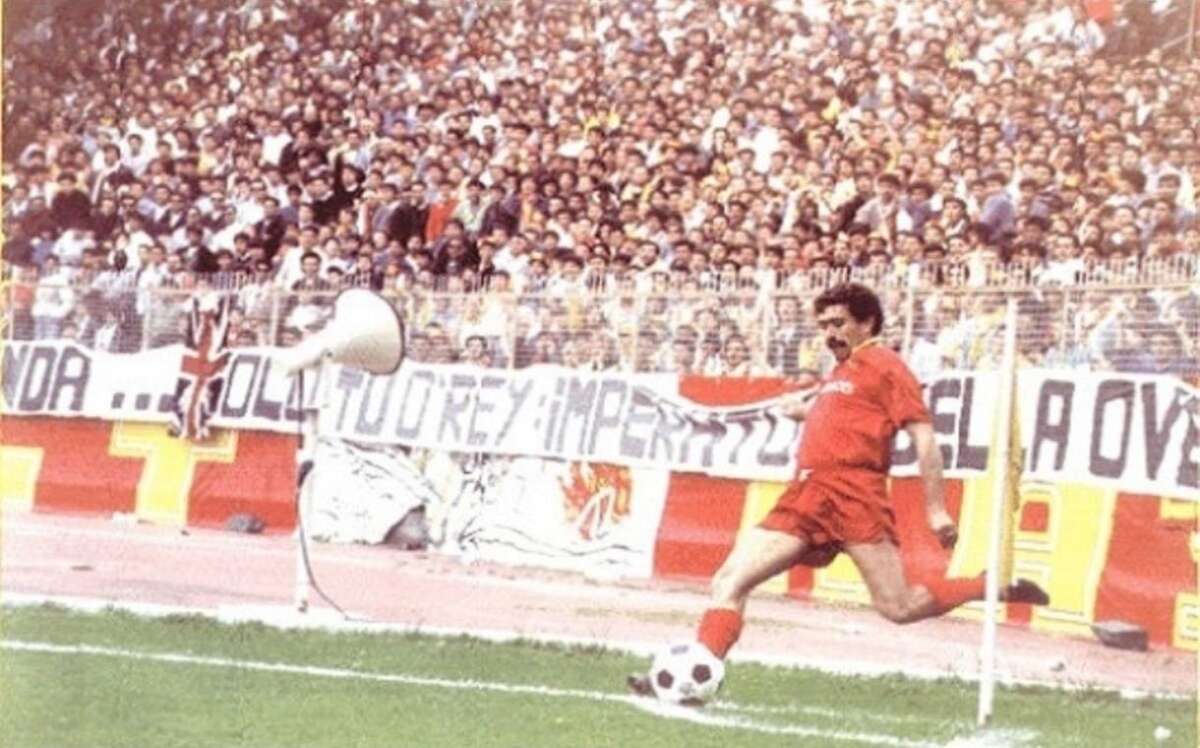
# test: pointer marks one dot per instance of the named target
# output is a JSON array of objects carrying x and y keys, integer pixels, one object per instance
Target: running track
[{"x": 92, "y": 560}]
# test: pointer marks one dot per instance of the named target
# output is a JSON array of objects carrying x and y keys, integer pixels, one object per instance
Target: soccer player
[{"x": 838, "y": 501}]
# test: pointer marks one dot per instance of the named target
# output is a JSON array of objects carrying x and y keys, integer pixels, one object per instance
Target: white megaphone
[{"x": 366, "y": 332}]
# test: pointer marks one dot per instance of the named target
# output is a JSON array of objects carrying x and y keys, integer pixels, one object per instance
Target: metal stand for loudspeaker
[
  {"x": 366, "y": 332},
  {"x": 300, "y": 586},
  {"x": 305, "y": 581},
  {"x": 306, "y": 454}
]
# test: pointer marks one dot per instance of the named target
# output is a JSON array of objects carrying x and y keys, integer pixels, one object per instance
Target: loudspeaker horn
[{"x": 365, "y": 332}]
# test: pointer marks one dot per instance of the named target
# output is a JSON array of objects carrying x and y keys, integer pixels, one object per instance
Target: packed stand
[{"x": 634, "y": 185}]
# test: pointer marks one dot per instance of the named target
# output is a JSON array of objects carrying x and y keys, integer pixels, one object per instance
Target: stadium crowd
[{"x": 655, "y": 185}]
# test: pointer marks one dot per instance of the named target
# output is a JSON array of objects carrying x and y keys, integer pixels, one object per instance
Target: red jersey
[
  {"x": 1101, "y": 11},
  {"x": 864, "y": 402}
]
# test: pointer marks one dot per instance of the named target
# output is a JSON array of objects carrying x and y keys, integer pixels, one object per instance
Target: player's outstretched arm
[
  {"x": 929, "y": 462},
  {"x": 797, "y": 404}
]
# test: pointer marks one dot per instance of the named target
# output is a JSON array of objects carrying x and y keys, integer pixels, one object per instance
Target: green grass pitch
[{"x": 113, "y": 679}]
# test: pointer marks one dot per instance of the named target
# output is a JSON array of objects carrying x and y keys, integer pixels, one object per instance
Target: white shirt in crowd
[
  {"x": 70, "y": 246},
  {"x": 514, "y": 265},
  {"x": 223, "y": 239},
  {"x": 290, "y": 269},
  {"x": 249, "y": 212},
  {"x": 53, "y": 296},
  {"x": 133, "y": 247},
  {"x": 149, "y": 135},
  {"x": 274, "y": 145},
  {"x": 149, "y": 278}
]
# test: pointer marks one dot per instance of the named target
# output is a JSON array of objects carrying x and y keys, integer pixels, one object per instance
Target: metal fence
[
  {"x": 1143, "y": 318},
  {"x": 1177, "y": 28}
]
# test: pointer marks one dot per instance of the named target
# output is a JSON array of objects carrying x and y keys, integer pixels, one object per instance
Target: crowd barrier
[{"x": 1114, "y": 316}]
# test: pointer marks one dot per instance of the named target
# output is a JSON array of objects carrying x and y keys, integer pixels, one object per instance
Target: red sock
[
  {"x": 948, "y": 594},
  {"x": 719, "y": 630}
]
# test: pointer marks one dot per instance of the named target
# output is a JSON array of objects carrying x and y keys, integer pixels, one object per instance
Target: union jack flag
[{"x": 202, "y": 370}]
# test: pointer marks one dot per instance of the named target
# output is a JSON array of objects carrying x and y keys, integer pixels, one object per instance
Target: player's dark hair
[{"x": 860, "y": 301}]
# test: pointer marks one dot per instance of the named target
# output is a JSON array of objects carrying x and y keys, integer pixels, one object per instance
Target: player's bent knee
[
  {"x": 893, "y": 614},
  {"x": 896, "y": 611}
]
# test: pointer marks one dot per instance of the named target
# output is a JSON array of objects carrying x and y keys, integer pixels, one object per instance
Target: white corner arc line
[{"x": 727, "y": 722}]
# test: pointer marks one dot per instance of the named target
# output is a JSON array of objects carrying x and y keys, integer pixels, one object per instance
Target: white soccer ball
[{"x": 686, "y": 673}]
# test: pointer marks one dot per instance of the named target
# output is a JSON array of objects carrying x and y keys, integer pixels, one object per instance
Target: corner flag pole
[
  {"x": 1001, "y": 515},
  {"x": 1195, "y": 548}
]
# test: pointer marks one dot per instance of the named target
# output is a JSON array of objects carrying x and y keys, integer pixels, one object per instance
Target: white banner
[
  {"x": 359, "y": 493},
  {"x": 1139, "y": 433},
  {"x": 1136, "y": 433},
  {"x": 53, "y": 378},
  {"x": 633, "y": 420},
  {"x": 596, "y": 519}
]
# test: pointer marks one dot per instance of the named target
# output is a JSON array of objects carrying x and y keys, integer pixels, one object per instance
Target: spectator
[
  {"x": 476, "y": 352},
  {"x": 997, "y": 215},
  {"x": 70, "y": 208},
  {"x": 441, "y": 349},
  {"x": 736, "y": 359},
  {"x": 856, "y": 141},
  {"x": 52, "y": 301},
  {"x": 683, "y": 356}
]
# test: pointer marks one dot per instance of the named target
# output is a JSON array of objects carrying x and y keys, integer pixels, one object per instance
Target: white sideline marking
[
  {"x": 711, "y": 720},
  {"x": 280, "y": 616},
  {"x": 327, "y": 620},
  {"x": 708, "y": 719},
  {"x": 829, "y": 713},
  {"x": 994, "y": 739}
]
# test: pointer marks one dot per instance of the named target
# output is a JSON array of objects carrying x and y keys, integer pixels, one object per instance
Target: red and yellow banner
[
  {"x": 1101, "y": 553},
  {"x": 83, "y": 465}
]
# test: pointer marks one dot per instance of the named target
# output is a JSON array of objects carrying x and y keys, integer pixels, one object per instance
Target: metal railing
[
  {"x": 1185, "y": 14},
  {"x": 1113, "y": 316}
]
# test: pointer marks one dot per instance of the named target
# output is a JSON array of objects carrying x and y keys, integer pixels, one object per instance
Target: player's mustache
[{"x": 833, "y": 342}]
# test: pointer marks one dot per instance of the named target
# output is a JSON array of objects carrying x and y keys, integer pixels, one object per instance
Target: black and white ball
[{"x": 686, "y": 673}]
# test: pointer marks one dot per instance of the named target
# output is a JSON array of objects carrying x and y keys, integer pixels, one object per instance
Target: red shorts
[{"x": 828, "y": 511}]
